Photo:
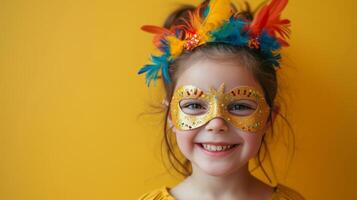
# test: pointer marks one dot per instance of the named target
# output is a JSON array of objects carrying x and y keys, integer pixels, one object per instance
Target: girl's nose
[{"x": 217, "y": 125}]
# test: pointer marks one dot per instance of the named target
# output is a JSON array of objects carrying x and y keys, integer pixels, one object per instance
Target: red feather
[
  {"x": 187, "y": 28},
  {"x": 268, "y": 18},
  {"x": 158, "y": 31},
  {"x": 154, "y": 29}
]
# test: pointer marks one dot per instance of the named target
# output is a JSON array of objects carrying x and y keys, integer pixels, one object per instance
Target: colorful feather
[
  {"x": 175, "y": 46},
  {"x": 218, "y": 12},
  {"x": 267, "y": 33},
  {"x": 159, "y": 63},
  {"x": 231, "y": 32},
  {"x": 159, "y": 32},
  {"x": 194, "y": 21},
  {"x": 268, "y": 19}
]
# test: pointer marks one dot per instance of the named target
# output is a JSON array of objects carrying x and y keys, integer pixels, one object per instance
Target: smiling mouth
[{"x": 217, "y": 148}]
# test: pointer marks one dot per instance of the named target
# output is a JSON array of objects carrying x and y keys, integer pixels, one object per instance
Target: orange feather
[{"x": 268, "y": 18}]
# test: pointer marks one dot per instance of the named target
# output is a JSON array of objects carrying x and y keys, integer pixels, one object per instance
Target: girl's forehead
[{"x": 205, "y": 74}]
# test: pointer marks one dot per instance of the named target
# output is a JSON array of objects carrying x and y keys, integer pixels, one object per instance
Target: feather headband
[{"x": 266, "y": 33}]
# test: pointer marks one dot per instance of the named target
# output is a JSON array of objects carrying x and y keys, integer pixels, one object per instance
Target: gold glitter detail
[
  {"x": 191, "y": 42},
  {"x": 218, "y": 102}
]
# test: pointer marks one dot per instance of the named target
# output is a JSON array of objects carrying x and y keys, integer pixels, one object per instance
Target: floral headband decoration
[{"x": 266, "y": 33}]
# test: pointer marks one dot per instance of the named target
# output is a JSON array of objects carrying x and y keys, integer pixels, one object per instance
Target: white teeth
[{"x": 216, "y": 148}]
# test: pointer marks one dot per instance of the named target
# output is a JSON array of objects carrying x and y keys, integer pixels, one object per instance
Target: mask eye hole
[
  {"x": 193, "y": 106},
  {"x": 242, "y": 107}
]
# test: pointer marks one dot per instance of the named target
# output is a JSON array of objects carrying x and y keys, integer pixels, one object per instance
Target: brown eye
[
  {"x": 242, "y": 108},
  {"x": 192, "y": 107}
]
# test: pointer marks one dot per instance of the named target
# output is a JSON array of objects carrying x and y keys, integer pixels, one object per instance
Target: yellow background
[{"x": 70, "y": 99}]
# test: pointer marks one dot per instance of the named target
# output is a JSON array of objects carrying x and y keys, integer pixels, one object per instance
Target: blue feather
[
  {"x": 206, "y": 11},
  {"x": 268, "y": 43},
  {"x": 231, "y": 32},
  {"x": 164, "y": 46},
  {"x": 152, "y": 70}
]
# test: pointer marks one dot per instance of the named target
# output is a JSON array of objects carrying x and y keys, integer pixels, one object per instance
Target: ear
[
  {"x": 169, "y": 119},
  {"x": 275, "y": 111}
]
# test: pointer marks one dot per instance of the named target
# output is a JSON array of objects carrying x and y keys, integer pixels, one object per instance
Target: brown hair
[{"x": 263, "y": 72}]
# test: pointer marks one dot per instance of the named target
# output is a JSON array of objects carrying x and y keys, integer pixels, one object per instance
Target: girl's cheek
[
  {"x": 252, "y": 142},
  {"x": 185, "y": 141}
]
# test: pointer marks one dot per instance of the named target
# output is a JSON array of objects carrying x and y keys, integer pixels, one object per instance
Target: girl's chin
[
  {"x": 218, "y": 173},
  {"x": 213, "y": 170}
]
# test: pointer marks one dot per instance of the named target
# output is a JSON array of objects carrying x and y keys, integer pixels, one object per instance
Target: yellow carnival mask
[{"x": 218, "y": 104}]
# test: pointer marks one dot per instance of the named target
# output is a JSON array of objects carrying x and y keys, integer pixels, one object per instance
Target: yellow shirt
[{"x": 281, "y": 192}]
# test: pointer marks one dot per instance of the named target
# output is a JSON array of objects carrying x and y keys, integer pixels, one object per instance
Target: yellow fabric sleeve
[
  {"x": 282, "y": 192},
  {"x": 157, "y": 194}
]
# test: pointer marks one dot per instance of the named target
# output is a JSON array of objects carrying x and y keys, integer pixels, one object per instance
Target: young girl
[{"x": 219, "y": 70}]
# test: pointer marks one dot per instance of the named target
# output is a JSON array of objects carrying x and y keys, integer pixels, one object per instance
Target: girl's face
[{"x": 205, "y": 74}]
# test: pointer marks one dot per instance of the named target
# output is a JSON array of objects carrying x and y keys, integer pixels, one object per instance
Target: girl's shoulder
[{"x": 281, "y": 192}]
